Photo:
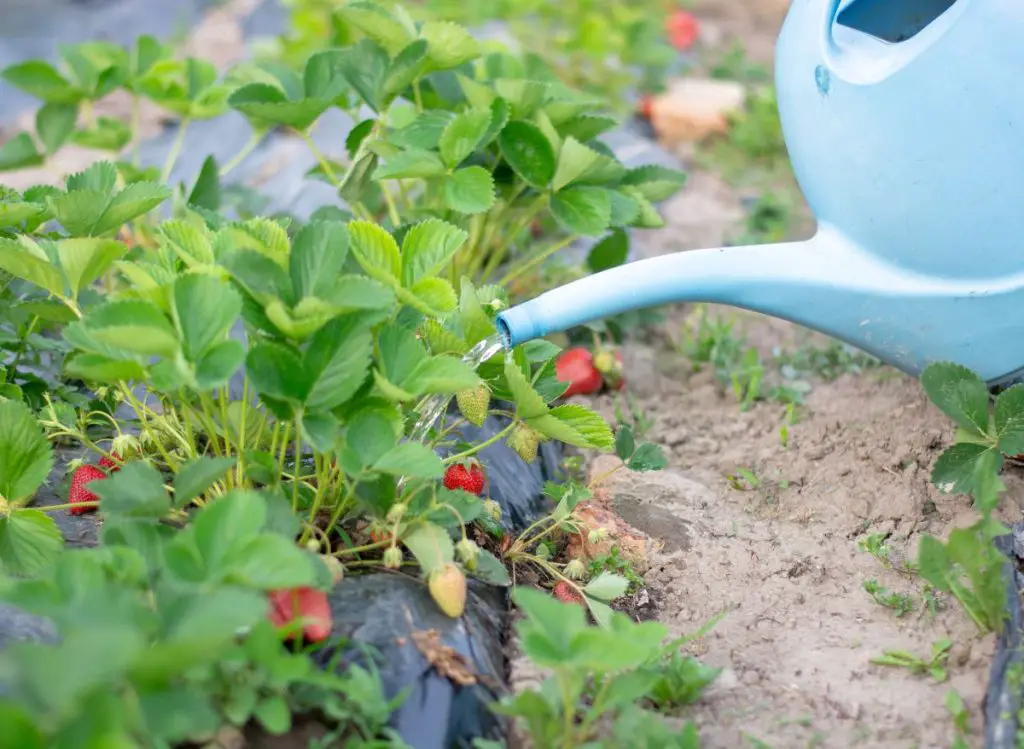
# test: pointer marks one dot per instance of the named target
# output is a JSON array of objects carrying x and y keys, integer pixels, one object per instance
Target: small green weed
[
  {"x": 614, "y": 562},
  {"x": 901, "y": 603},
  {"x": 935, "y": 666},
  {"x": 957, "y": 709}
]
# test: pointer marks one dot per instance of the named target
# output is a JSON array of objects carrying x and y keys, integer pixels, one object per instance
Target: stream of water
[{"x": 433, "y": 407}]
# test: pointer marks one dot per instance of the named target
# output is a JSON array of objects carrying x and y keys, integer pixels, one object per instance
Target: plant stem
[
  {"x": 22, "y": 345},
  {"x": 321, "y": 159},
  {"x": 136, "y": 135},
  {"x": 54, "y": 508},
  {"x": 248, "y": 148},
  {"x": 360, "y": 549},
  {"x": 477, "y": 448},
  {"x": 298, "y": 460},
  {"x": 172, "y": 157},
  {"x": 389, "y": 199},
  {"x": 536, "y": 260}
]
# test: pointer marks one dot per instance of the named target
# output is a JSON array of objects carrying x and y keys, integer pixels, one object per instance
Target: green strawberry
[
  {"x": 524, "y": 440},
  {"x": 473, "y": 403}
]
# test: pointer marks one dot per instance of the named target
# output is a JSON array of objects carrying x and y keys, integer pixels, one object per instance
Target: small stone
[
  {"x": 694, "y": 108},
  {"x": 631, "y": 543}
]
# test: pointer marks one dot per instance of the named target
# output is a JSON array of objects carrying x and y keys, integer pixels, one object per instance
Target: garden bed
[{"x": 799, "y": 486}]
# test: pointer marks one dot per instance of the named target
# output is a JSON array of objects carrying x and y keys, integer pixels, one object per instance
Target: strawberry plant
[
  {"x": 968, "y": 565},
  {"x": 259, "y": 406},
  {"x": 603, "y": 681},
  {"x": 602, "y": 48}
]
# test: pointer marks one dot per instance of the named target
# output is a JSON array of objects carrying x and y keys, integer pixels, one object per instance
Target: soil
[{"x": 781, "y": 560}]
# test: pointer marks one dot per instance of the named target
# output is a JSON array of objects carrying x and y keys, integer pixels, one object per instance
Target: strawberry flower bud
[
  {"x": 493, "y": 510},
  {"x": 466, "y": 551},
  {"x": 392, "y": 557},
  {"x": 597, "y": 535},
  {"x": 575, "y": 570}
]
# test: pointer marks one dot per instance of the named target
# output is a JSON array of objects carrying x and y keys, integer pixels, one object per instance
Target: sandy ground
[{"x": 782, "y": 559}]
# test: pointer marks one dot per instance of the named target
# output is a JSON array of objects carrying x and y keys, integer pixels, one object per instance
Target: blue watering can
[{"x": 904, "y": 120}]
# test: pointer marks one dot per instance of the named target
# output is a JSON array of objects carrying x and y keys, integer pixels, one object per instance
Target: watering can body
[{"x": 904, "y": 123}]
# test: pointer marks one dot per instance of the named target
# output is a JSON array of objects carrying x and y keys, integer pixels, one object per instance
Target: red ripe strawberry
[
  {"x": 576, "y": 366},
  {"x": 566, "y": 593},
  {"x": 77, "y": 494},
  {"x": 469, "y": 479},
  {"x": 308, "y": 604},
  {"x": 113, "y": 466},
  {"x": 645, "y": 107},
  {"x": 683, "y": 29}
]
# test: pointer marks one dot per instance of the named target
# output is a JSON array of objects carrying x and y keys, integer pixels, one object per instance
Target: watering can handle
[{"x": 831, "y": 11}]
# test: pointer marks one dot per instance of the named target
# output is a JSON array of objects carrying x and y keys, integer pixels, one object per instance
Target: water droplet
[
  {"x": 822, "y": 79},
  {"x": 433, "y": 407}
]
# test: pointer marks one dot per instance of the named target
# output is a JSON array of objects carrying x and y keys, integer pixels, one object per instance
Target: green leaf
[
  {"x": 136, "y": 491},
  {"x": 198, "y": 475},
  {"x": 267, "y": 105},
  {"x": 470, "y": 190},
  {"x": 462, "y": 136},
  {"x": 206, "y": 192},
  {"x": 378, "y": 24},
  {"x": 424, "y": 133},
  {"x": 29, "y": 541},
  {"x": 431, "y": 545},
  {"x": 529, "y": 152},
  {"x": 648, "y": 457},
  {"x": 529, "y": 404},
  {"x": 317, "y": 258},
  {"x": 440, "y": 374},
  {"x": 41, "y": 80},
  {"x": 625, "y": 208},
  {"x": 427, "y": 248},
  {"x": 20, "y": 152},
  {"x": 655, "y": 183},
  {"x": 107, "y": 134},
  {"x": 411, "y": 459},
  {"x": 270, "y": 562},
  {"x": 365, "y": 67},
  {"x": 25, "y": 454},
  {"x": 586, "y": 127},
  {"x": 54, "y": 123},
  {"x": 337, "y": 362},
  {"x": 178, "y": 713},
  {"x": 610, "y": 252},
  {"x": 132, "y": 325},
  {"x": 16, "y": 259},
  {"x": 574, "y": 161},
  {"x": 955, "y": 470},
  {"x": 582, "y": 210},
  {"x": 376, "y": 251},
  {"x": 20, "y": 729},
  {"x": 85, "y": 260},
  {"x": 274, "y": 715},
  {"x": 607, "y": 587},
  {"x": 960, "y": 394},
  {"x": 1009, "y": 415},
  {"x": 490, "y": 570},
  {"x": 433, "y": 297},
  {"x": 277, "y": 372},
  {"x": 218, "y": 365},
  {"x": 575, "y": 425},
  {"x": 625, "y": 443},
  {"x": 411, "y": 164},
  {"x": 448, "y": 45},
  {"x": 409, "y": 65},
  {"x": 135, "y": 200},
  {"x": 205, "y": 309}
]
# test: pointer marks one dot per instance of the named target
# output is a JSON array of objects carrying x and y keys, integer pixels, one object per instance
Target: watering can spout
[{"x": 826, "y": 283}]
